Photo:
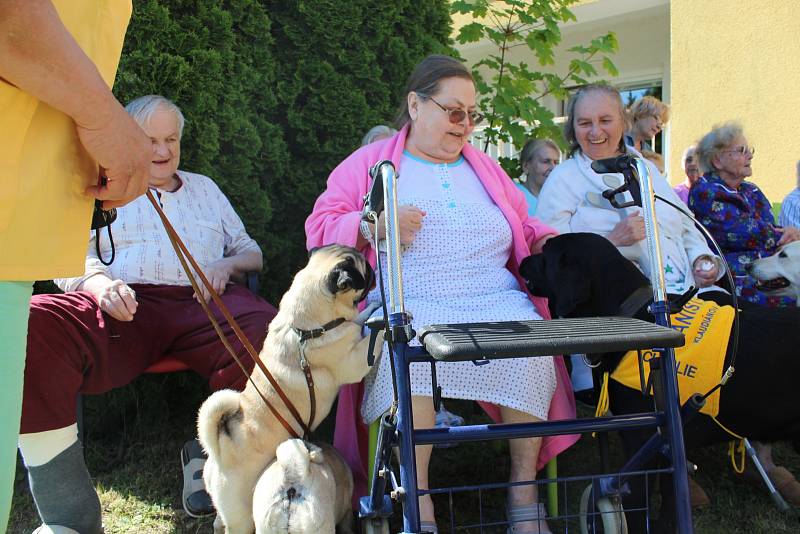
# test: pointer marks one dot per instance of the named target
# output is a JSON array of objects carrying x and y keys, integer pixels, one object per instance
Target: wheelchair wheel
[
  {"x": 375, "y": 525},
  {"x": 604, "y": 516}
]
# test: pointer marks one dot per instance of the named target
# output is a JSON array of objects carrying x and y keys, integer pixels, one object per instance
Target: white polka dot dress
[{"x": 455, "y": 272}]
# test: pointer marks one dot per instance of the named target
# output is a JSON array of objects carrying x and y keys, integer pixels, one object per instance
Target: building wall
[{"x": 738, "y": 60}]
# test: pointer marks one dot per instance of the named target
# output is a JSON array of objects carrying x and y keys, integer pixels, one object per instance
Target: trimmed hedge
[{"x": 276, "y": 94}]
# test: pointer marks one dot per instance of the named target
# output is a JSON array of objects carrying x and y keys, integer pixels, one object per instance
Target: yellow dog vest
[{"x": 706, "y": 327}]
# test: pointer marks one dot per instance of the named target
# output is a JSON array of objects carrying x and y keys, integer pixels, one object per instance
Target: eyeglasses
[
  {"x": 742, "y": 150},
  {"x": 457, "y": 115}
]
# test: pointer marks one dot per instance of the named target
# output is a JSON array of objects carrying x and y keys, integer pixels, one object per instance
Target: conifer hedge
[{"x": 276, "y": 93}]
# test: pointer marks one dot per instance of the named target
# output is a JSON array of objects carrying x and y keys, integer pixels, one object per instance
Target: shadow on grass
[{"x": 134, "y": 437}]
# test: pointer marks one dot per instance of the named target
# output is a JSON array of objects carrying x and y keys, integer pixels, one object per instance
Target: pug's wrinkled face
[{"x": 343, "y": 272}]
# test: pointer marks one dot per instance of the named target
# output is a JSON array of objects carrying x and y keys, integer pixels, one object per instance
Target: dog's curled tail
[
  {"x": 295, "y": 457},
  {"x": 216, "y": 420}
]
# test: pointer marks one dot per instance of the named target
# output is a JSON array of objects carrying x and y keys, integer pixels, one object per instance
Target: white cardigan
[{"x": 571, "y": 201}]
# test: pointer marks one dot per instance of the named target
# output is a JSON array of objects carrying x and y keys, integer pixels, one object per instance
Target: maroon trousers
[{"x": 73, "y": 347}]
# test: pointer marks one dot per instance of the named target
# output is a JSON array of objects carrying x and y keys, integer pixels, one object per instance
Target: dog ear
[
  {"x": 532, "y": 269},
  {"x": 345, "y": 278}
]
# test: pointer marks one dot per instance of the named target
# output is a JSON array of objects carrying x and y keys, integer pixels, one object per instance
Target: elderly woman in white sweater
[{"x": 571, "y": 199}]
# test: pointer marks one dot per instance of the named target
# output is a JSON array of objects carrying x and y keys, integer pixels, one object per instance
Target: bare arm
[{"x": 39, "y": 56}]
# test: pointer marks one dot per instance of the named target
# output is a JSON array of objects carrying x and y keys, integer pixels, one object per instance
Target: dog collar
[
  {"x": 305, "y": 335},
  {"x": 631, "y": 305}
]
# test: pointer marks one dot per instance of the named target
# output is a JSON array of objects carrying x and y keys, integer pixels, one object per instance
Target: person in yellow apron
[{"x": 60, "y": 127}]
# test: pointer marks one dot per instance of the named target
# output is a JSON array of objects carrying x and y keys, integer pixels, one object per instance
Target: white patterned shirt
[
  {"x": 201, "y": 215},
  {"x": 790, "y": 210}
]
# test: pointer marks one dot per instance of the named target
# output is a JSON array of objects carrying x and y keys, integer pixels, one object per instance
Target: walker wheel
[
  {"x": 604, "y": 516},
  {"x": 375, "y": 525}
]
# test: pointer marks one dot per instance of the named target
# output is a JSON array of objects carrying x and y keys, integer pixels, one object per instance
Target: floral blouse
[{"x": 742, "y": 223}]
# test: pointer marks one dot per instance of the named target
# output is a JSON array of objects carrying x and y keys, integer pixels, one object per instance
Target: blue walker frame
[{"x": 396, "y": 427}]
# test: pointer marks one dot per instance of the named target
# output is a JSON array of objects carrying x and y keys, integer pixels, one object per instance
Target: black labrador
[{"x": 584, "y": 275}]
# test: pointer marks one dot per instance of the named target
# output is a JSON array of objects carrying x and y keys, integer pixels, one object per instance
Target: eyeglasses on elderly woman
[
  {"x": 457, "y": 115},
  {"x": 742, "y": 150}
]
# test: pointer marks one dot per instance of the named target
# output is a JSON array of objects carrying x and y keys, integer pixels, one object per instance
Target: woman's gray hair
[
  {"x": 380, "y": 131},
  {"x": 532, "y": 146},
  {"x": 691, "y": 151},
  {"x": 143, "y": 108},
  {"x": 569, "y": 126},
  {"x": 714, "y": 142}
]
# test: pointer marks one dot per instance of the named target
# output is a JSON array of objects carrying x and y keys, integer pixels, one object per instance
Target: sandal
[
  {"x": 196, "y": 500},
  {"x": 54, "y": 529},
  {"x": 527, "y": 512},
  {"x": 698, "y": 498},
  {"x": 786, "y": 484}
]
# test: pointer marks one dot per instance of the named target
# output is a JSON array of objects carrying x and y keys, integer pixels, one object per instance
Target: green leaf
[
  {"x": 609, "y": 66},
  {"x": 470, "y": 33}
]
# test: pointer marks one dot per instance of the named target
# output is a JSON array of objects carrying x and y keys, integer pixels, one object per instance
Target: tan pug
[
  {"x": 237, "y": 430},
  {"x": 305, "y": 490}
]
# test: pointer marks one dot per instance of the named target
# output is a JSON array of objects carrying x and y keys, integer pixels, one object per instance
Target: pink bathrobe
[{"x": 336, "y": 218}]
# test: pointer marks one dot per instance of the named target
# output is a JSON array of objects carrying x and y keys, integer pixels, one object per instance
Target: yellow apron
[
  {"x": 706, "y": 327},
  {"x": 44, "y": 215}
]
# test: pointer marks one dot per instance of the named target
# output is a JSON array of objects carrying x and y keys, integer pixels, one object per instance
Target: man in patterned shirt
[{"x": 116, "y": 320}]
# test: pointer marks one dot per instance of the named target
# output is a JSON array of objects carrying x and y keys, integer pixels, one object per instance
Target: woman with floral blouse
[{"x": 735, "y": 211}]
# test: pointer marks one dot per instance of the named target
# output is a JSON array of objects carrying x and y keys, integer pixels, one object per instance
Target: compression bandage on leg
[{"x": 61, "y": 487}]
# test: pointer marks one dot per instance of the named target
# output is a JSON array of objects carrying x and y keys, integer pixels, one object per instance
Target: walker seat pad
[{"x": 516, "y": 339}]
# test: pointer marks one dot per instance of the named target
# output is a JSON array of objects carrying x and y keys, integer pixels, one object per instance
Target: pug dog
[
  {"x": 237, "y": 430},
  {"x": 305, "y": 490}
]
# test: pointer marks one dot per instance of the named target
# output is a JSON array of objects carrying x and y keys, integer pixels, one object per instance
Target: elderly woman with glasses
[
  {"x": 735, "y": 210},
  {"x": 465, "y": 228}
]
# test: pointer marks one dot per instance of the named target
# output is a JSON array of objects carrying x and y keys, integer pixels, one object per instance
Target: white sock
[{"x": 38, "y": 448}]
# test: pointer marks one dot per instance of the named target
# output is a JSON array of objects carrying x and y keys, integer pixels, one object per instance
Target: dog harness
[{"x": 706, "y": 327}]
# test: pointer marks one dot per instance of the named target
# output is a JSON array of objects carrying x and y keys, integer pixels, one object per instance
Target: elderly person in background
[
  {"x": 735, "y": 210},
  {"x": 537, "y": 159},
  {"x": 740, "y": 218},
  {"x": 692, "y": 170},
  {"x": 458, "y": 204},
  {"x": 648, "y": 115},
  {"x": 377, "y": 133},
  {"x": 571, "y": 200},
  {"x": 115, "y": 321},
  {"x": 790, "y": 209}
]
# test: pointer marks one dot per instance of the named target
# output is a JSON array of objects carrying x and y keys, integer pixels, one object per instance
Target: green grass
[{"x": 135, "y": 435}]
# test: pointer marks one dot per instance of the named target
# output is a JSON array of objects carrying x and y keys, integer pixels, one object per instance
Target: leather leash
[{"x": 184, "y": 254}]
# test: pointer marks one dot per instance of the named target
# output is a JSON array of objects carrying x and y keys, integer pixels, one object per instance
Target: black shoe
[{"x": 196, "y": 500}]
